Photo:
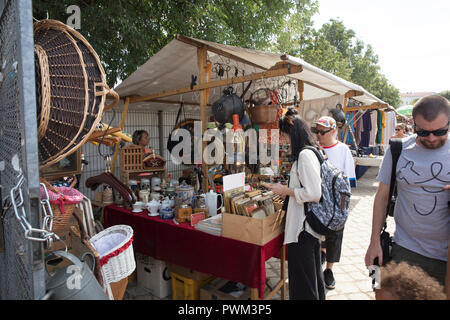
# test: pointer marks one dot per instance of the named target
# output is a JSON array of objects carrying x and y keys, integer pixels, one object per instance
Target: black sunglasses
[
  {"x": 315, "y": 130},
  {"x": 426, "y": 133}
]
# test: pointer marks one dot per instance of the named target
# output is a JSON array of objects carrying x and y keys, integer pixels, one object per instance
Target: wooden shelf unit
[{"x": 132, "y": 164}]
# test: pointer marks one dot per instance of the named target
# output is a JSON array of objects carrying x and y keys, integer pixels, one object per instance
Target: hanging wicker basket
[
  {"x": 63, "y": 201},
  {"x": 71, "y": 90},
  {"x": 263, "y": 114}
]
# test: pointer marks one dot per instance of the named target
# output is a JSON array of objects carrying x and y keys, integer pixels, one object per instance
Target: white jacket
[{"x": 308, "y": 173}]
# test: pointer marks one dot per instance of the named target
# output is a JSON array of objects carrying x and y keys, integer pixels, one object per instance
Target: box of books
[
  {"x": 256, "y": 230},
  {"x": 255, "y": 217}
]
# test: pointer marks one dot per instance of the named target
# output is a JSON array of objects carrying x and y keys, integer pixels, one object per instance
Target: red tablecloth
[{"x": 181, "y": 244}]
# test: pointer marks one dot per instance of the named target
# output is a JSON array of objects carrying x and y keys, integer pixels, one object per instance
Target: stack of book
[{"x": 212, "y": 225}]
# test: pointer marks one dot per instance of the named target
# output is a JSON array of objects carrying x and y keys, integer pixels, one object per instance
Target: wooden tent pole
[
  {"x": 203, "y": 73},
  {"x": 122, "y": 124},
  {"x": 301, "y": 88}
]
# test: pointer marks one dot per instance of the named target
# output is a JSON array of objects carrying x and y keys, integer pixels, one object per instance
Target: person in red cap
[{"x": 339, "y": 155}]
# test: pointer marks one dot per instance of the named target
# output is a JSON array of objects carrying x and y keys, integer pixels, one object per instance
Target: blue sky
[{"x": 410, "y": 37}]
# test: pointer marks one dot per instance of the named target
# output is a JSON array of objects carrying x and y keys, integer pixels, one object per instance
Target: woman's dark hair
[
  {"x": 298, "y": 130},
  {"x": 137, "y": 135}
]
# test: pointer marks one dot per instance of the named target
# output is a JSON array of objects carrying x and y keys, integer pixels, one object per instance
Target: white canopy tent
[{"x": 172, "y": 67}]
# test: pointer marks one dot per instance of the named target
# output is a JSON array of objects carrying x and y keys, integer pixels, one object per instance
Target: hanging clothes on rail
[
  {"x": 358, "y": 126},
  {"x": 365, "y": 133},
  {"x": 373, "y": 132},
  {"x": 379, "y": 131},
  {"x": 350, "y": 117},
  {"x": 389, "y": 130}
]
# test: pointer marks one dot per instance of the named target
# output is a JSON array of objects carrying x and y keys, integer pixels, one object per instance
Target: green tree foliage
[
  {"x": 445, "y": 94},
  {"x": 360, "y": 60},
  {"x": 296, "y": 30},
  {"x": 126, "y": 33},
  {"x": 335, "y": 49}
]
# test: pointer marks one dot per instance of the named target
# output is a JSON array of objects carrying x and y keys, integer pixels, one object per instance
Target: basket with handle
[
  {"x": 63, "y": 201},
  {"x": 263, "y": 106},
  {"x": 115, "y": 247},
  {"x": 263, "y": 114},
  {"x": 71, "y": 89}
]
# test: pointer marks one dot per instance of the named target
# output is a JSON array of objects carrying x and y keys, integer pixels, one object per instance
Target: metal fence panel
[{"x": 21, "y": 261}]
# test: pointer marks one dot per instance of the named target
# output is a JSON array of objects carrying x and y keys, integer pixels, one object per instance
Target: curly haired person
[{"x": 401, "y": 281}]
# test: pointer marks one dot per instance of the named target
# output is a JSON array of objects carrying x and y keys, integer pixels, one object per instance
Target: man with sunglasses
[
  {"x": 339, "y": 155},
  {"x": 421, "y": 213}
]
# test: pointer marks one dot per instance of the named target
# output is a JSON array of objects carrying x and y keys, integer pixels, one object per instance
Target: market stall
[
  {"x": 214, "y": 213},
  {"x": 200, "y": 74}
]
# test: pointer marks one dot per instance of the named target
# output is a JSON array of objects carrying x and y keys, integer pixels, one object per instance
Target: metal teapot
[
  {"x": 224, "y": 108},
  {"x": 75, "y": 282}
]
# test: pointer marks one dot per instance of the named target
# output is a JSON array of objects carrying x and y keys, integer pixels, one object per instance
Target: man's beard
[{"x": 436, "y": 145}]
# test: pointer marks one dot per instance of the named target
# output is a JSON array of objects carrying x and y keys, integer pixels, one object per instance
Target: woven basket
[
  {"x": 263, "y": 114},
  {"x": 115, "y": 248},
  {"x": 154, "y": 161},
  {"x": 71, "y": 90},
  {"x": 63, "y": 201}
]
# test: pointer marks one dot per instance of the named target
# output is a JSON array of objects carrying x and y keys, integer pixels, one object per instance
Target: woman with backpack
[{"x": 303, "y": 244}]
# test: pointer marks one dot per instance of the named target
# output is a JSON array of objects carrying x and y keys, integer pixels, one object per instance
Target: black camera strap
[{"x": 396, "y": 150}]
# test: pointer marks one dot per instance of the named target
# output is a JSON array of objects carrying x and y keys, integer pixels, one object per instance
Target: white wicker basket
[{"x": 115, "y": 248}]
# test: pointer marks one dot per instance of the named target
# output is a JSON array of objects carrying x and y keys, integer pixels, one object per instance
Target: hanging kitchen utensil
[
  {"x": 171, "y": 144},
  {"x": 224, "y": 108},
  {"x": 187, "y": 124}
]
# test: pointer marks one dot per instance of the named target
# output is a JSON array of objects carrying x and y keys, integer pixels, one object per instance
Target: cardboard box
[
  {"x": 187, "y": 289},
  {"x": 252, "y": 230},
  {"x": 187, "y": 273},
  {"x": 153, "y": 275},
  {"x": 221, "y": 289}
]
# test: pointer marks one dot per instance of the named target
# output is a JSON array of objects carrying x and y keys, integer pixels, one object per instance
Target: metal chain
[{"x": 45, "y": 233}]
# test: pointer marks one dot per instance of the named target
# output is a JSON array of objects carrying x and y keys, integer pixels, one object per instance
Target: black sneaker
[
  {"x": 323, "y": 257},
  {"x": 329, "y": 279}
]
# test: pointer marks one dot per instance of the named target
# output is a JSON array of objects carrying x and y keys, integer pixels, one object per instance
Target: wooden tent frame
[{"x": 281, "y": 68}]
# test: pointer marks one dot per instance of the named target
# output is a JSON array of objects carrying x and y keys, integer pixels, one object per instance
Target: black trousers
[
  {"x": 304, "y": 269},
  {"x": 333, "y": 244}
]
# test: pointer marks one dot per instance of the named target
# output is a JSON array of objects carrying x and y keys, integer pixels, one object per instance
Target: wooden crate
[
  {"x": 131, "y": 158},
  {"x": 132, "y": 164}
]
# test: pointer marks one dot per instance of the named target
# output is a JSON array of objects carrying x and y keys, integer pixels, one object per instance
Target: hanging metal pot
[
  {"x": 224, "y": 108},
  {"x": 75, "y": 282}
]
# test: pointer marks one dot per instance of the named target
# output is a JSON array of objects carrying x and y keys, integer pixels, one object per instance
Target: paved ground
[{"x": 352, "y": 280}]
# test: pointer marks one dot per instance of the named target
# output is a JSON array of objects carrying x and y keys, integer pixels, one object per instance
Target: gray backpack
[{"x": 329, "y": 215}]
